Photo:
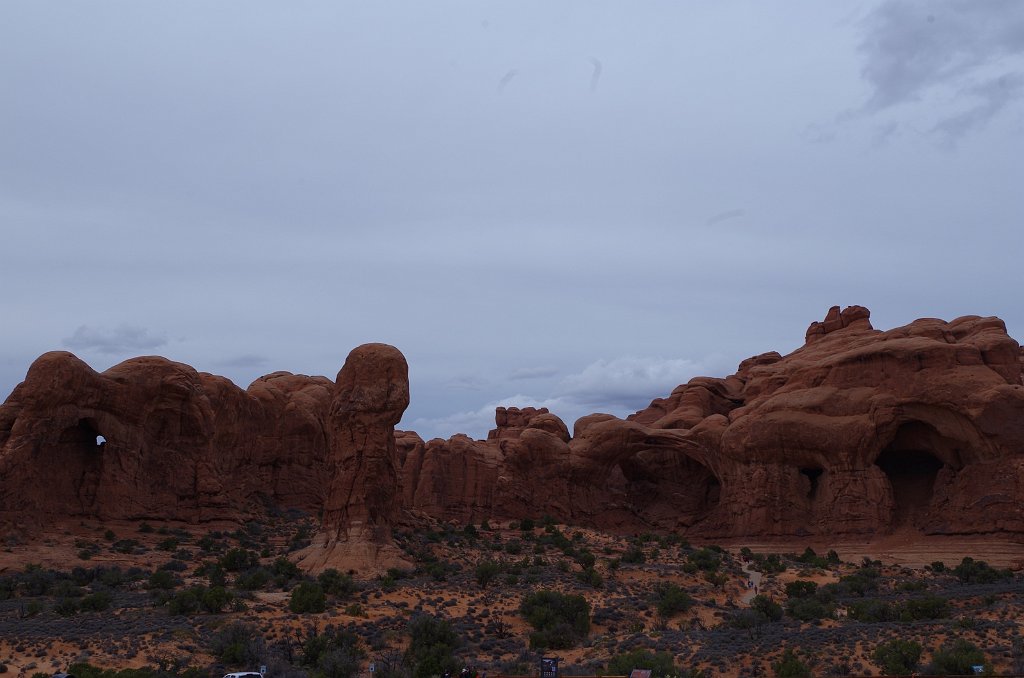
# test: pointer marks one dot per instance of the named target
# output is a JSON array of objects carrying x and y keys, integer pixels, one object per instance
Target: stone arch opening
[
  {"x": 78, "y": 460},
  {"x": 813, "y": 474},
  {"x": 670, "y": 487},
  {"x": 911, "y": 462}
]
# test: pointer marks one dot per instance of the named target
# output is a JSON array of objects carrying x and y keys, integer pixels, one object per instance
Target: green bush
[
  {"x": 334, "y": 653},
  {"x": 237, "y": 644},
  {"x": 925, "y": 607},
  {"x": 255, "y": 579},
  {"x": 971, "y": 571},
  {"x": 96, "y": 602},
  {"x": 801, "y": 589},
  {"x": 486, "y": 571},
  {"x": 661, "y": 664},
  {"x": 239, "y": 559},
  {"x": 432, "y": 645},
  {"x": 790, "y": 666},
  {"x": 671, "y": 599},
  {"x": 307, "y": 597},
  {"x": 766, "y": 607},
  {"x": 215, "y": 599},
  {"x": 897, "y": 657},
  {"x": 590, "y": 577},
  {"x": 163, "y": 580},
  {"x": 336, "y": 584},
  {"x": 66, "y": 607},
  {"x": 956, "y": 659},
  {"x": 559, "y": 620},
  {"x": 871, "y": 610}
]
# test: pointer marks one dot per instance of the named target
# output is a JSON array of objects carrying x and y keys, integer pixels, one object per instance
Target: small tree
[
  {"x": 307, "y": 597},
  {"x": 486, "y": 571},
  {"x": 766, "y": 607},
  {"x": 432, "y": 647}
]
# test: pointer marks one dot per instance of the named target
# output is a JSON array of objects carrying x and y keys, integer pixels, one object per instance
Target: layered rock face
[
  {"x": 858, "y": 432},
  {"x": 154, "y": 439}
]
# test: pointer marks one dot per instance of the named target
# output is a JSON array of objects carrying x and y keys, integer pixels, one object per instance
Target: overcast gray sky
[{"x": 572, "y": 204}]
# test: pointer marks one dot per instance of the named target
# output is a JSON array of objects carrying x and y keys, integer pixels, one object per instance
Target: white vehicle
[{"x": 244, "y": 674}]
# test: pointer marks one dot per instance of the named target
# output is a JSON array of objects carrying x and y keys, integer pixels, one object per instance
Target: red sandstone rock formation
[
  {"x": 919, "y": 428},
  {"x": 371, "y": 394},
  {"x": 858, "y": 432},
  {"x": 154, "y": 439}
]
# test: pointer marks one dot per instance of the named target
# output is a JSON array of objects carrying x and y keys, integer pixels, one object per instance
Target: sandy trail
[{"x": 754, "y": 579}]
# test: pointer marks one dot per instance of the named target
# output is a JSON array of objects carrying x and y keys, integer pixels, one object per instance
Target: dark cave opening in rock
[
  {"x": 812, "y": 474},
  {"x": 671, "y": 487},
  {"x": 78, "y": 459},
  {"x": 911, "y": 474}
]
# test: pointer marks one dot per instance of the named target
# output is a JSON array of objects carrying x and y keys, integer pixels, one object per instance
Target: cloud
[
  {"x": 627, "y": 381},
  {"x": 532, "y": 373},
  {"x": 246, "y": 360},
  {"x": 961, "y": 57},
  {"x": 618, "y": 386},
  {"x": 122, "y": 339},
  {"x": 725, "y": 216}
]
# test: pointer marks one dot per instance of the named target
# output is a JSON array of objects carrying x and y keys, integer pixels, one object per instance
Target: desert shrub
[
  {"x": 284, "y": 571},
  {"x": 66, "y": 607},
  {"x": 801, "y": 589},
  {"x": 871, "y": 610},
  {"x": 486, "y": 571},
  {"x": 956, "y": 659},
  {"x": 559, "y": 620},
  {"x": 661, "y": 664},
  {"x": 337, "y": 584},
  {"x": 670, "y": 599},
  {"x": 634, "y": 554},
  {"x": 585, "y": 559},
  {"x": 185, "y": 602},
  {"x": 706, "y": 559},
  {"x": 809, "y": 557},
  {"x": 307, "y": 597},
  {"x": 253, "y": 580},
  {"x": 790, "y": 666},
  {"x": 912, "y": 586},
  {"x": 897, "y": 657},
  {"x": 163, "y": 580},
  {"x": 126, "y": 546},
  {"x": 96, "y": 602},
  {"x": 213, "y": 572},
  {"x": 432, "y": 645},
  {"x": 237, "y": 644},
  {"x": 971, "y": 571},
  {"x": 766, "y": 607},
  {"x": 526, "y": 524},
  {"x": 938, "y": 566},
  {"x": 168, "y": 544},
  {"x": 861, "y": 582},
  {"x": 808, "y": 609},
  {"x": 238, "y": 559},
  {"x": 925, "y": 607},
  {"x": 590, "y": 577},
  {"x": 214, "y": 599},
  {"x": 334, "y": 653},
  {"x": 771, "y": 563}
]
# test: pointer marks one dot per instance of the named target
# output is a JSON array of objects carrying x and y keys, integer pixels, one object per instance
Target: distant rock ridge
[{"x": 858, "y": 432}]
